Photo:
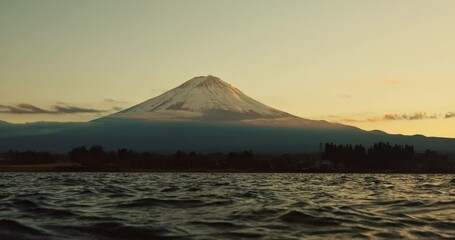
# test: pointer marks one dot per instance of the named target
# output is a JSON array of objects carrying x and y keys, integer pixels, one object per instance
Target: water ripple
[{"x": 226, "y": 206}]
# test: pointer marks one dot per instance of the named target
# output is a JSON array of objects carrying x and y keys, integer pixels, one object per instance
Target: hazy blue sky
[{"x": 385, "y": 65}]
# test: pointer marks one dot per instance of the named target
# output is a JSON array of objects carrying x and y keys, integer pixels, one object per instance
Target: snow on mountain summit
[
  {"x": 210, "y": 99},
  {"x": 203, "y": 96}
]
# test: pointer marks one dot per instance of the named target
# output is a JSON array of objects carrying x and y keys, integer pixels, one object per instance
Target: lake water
[{"x": 225, "y": 206}]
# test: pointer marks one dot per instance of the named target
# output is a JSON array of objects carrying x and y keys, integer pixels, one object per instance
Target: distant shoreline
[{"x": 75, "y": 168}]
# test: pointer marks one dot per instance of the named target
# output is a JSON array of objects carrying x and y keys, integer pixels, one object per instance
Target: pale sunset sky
[{"x": 387, "y": 65}]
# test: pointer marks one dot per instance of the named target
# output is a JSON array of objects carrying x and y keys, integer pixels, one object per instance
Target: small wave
[
  {"x": 24, "y": 203},
  {"x": 389, "y": 235},
  {"x": 372, "y": 180},
  {"x": 194, "y": 189},
  {"x": 427, "y": 235},
  {"x": 150, "y": 202},
  {"x": 300, "y": 217},
  {"x": 217, "y": 224},
  {"x": 52, "y": 212},
  {"x": 169, "y": 189},
  {"x": 73, "y": 182},
  {"x": 218, "y": 184},
  {"x": 116, "y": 230},
  {"x": 219, "y": 202},
  {"x": 390, "y": 202},
  {"x": 10, "y": 229},
  {"x": 237, "y": 235},
  {"x": 443, "y": 225},
  {"x": 255, "y": 215}
]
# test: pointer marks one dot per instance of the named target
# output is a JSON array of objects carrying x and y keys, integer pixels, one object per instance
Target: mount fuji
[
  {"x": 205, "y": 96},
  {"x": 204, "y": 114},
  {"x": 210, "y": 99}
]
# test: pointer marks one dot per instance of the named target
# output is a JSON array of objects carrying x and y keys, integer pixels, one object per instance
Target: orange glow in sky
[{"x": 384, "y": 65}]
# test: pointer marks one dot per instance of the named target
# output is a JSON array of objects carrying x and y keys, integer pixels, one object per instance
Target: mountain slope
[
  {"x": 204, "y": 95},
  {"x": 35, "y": 128},
  {"x": 168, "y": 137},
  {"x": 203, "y": 114},
  {"x": 210, "y": 99}
]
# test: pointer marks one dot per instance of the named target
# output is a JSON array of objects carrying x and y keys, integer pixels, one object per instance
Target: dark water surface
[{"x": 225, "y": 206}]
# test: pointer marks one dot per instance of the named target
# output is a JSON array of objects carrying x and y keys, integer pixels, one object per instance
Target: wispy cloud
[
  {"x": 351, "y": 120},
  {"x": 23, "y": 108},
  {"x": 26, "y": 108},
  {"x": 396, "y": 117},
  {"x": 73, "y": 109},
  {"x": 414, "y": 116},
  {"x": 114, "y": 101},
  {"x": 450, "y": 115}
]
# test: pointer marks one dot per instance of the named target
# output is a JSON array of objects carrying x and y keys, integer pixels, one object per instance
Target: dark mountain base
[{"x": 168, "y": 137}]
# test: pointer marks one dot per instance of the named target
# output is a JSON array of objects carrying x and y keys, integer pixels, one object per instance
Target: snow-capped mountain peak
[
  {"x": 207, "y": 82},
  {"x": 204, "y": 96}
]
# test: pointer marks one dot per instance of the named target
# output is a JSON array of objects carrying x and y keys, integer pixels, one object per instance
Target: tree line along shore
[{"x": 380, "y": 158}]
